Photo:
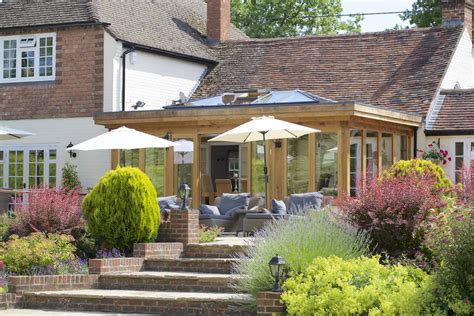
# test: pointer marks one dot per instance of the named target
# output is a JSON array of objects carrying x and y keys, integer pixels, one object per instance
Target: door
[{"x": 28, "y": 166}]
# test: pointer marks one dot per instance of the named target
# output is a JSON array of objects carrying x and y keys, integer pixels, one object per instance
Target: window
[
  {"x": 326, "y": 163},
  {"x": 387, "y": 151},
  {"x": 298, "y": 165},
  {"x": 23, "y": 167},
  {"x": 27, "y": 58},
  {"x": 459, "y": 160}
]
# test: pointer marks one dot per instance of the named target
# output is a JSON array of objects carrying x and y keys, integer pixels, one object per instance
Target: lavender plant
[
  {"x": 298, "y": 239},
  {"x": 109, "y": 253}
]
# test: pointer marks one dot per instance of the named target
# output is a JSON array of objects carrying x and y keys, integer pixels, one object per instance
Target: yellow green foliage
[
  {"x": 422, "y": 167},
  {"x": 361, "y": 286},
  {"x": 122, "y": 209},
  {"x": 35, "y": 251}
]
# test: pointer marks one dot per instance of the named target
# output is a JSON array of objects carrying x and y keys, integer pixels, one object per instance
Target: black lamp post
[
  {"x": 184, "y": 190},
  {"x": 278, "y": 270}
]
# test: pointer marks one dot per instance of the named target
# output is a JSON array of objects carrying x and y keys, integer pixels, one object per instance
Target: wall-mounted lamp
[
  {"x": 277, "y": 143},
  {"x": 72, "y": 153}
]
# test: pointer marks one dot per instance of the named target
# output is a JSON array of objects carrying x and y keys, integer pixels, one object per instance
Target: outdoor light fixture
[
  {"x": 278, "y": 270},
  {"x": 277, "y": 143},
  {"x": 72, "y": 153},
  {"x": 184, "y": 190}
]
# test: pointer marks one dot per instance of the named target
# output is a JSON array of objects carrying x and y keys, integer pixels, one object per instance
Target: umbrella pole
[{"x": 265, "y": 169}]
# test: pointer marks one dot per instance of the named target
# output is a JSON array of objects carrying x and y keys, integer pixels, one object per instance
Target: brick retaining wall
[
  {"x": 98, "y": 266},
  {"x": 268, "y": 304},
  {"x": 20, "y": 284},
  {"x": 170, "y": 250},
  {"x": 183, "y": 227}
]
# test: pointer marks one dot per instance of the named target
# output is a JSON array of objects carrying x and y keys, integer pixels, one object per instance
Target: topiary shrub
[
  {"x": 361, "y": 286},
  {"x": 422, "y": 167},
  {"x": 122, "y": 209}
]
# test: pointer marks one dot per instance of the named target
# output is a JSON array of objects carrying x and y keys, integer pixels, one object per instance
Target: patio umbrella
[
  {"x": 123, "y": 138},
  {"x": 261, "y": 129},
  {"x": 8, "y": 133},
  {"x": 185, "y": 152}
]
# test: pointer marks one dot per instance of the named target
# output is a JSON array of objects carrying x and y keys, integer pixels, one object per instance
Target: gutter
[
  {"x": 449, "y": 132},
  {"x": 84, "y": 23},
  {"x": 124, "y": 65}
]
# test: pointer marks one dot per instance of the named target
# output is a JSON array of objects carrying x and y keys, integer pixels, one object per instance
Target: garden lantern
[
  {"x": 184, "y": 190},
  {"x": 277, "y": 269}
]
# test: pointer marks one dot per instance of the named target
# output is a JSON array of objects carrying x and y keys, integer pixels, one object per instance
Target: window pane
[
  {"x": 387, "y": 151},
  {"x": 258, "y": 178},
  {"x": 129, "y": 158},
  {"x": 459, "y": 160},
  {"x": 27, "y": 64},
  {"x": 155, "y": 168},
  {"x": 297, "y": 165},
  {"x": 459, "y": 149},
  {"x": 355, "y": 174},
  {"x": 372, "y": 154},
  {"x": 9, "y": 59},
  {"x": 52, "y": 154},
  {"x": 326, "y": 163}
]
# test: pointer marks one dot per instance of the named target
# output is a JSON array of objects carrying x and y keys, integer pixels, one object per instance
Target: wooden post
[
  {"x": 284, "y": 167},
  {"x": 141, "y": 159},
  {"x": 364, "y": 156},
  {"x": 115, "y": 158},
  {"x": 196, "y": 188},
  {"x": 169, "y": 172},
  {"x": 379, "y": 153},
  {"x": 312, "y": 162}
]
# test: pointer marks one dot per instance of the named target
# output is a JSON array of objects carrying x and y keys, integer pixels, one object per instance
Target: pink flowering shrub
[
  {"x": 48, "y": 210},
  {"x": 465, "y": 189},
  {"x": 392, "y": 209}
]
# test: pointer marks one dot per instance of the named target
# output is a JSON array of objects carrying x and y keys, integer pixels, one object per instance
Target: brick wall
[
  {"x": 99, "y": 266},
  {"x": 183, "y": 227},
  {"x": 457, "y": 11},
  {"x": 20, "y": 284},
  {"x": 268, "y": 303},
  {"x": 78, "y": 88},
  {"x": 170, "y": 250}
]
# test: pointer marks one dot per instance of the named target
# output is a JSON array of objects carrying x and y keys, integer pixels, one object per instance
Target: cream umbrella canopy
[
  {"x": 261, "y": 129},
  {"x": 8, "y": 133},
  {"x": 123, "y": 138}
]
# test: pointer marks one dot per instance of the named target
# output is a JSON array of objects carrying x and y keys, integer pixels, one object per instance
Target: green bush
[
  {"x": 5, "y": 222},
  {"x": 450, "y": 237},
  {"x": 70, "y": 178},
  {"x": 21, "y": 255},
  {"x": 209, "y": 234},
  {"x": 122, "y": 209},
  {"x": 425, "y": 167},
  {"x": 360, "y": 286},
  {"x": 298, "y": 240}
]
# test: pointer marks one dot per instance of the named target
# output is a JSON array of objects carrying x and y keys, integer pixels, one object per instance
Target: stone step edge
[
  {"x": 174, "y": 276},
  {"x": 145, "y": 295},
  {"x": 197, "y": 259}
]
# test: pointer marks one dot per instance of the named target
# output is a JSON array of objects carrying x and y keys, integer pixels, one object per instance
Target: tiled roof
[
  {"x": 23, "y": 13},
  {"x": 169, "y": 25},
  {"x": 398, "y": 70},
  {"x": 455, "y": 115}
]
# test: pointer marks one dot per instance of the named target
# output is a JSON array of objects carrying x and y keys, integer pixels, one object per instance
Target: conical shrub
[{"x": 122, "y": 209}]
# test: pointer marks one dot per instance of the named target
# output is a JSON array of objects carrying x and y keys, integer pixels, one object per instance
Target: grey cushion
[
  {"x": 212, "y": 216},
  {"x": 278, "y": 207},
  {"x": 302, "y": 201},
  {"x": 232, "y": 201},
  {"x": 263, "y": 216},
  {"x": 232, "y": 211},
  {"x": 209, "y": 209},
  {"x": 168, "y": 202}
]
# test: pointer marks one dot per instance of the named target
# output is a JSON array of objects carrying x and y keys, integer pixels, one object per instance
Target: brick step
[
  {"x": 157, "y": 303},
  {"x": 169, "y": 281},
  {"x": 213, "y": 250},
  {"x": 201, "y": 265}
]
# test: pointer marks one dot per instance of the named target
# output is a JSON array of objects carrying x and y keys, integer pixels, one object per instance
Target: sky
[{"x": 377, "y": 22}]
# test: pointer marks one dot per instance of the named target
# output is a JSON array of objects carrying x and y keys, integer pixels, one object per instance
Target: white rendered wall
[
  {"x": 461, "y": 68},
  {"x": 91, "y": 165},
  {"x": 157, "y": 80},
  {"x": 154, "y": 79}
]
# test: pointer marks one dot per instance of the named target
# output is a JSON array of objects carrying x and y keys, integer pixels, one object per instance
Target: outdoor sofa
[
  {"x": 229, "y": 211},
  {"x": 292, "y": 206}
]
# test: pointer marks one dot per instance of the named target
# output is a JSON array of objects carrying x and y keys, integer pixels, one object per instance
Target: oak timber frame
[{"x": 195, "y": 122}]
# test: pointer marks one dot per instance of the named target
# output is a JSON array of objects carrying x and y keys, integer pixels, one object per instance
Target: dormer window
[{"x": 27, "y": 58}]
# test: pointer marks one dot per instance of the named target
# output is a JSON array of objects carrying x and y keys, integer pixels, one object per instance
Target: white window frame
[
  {"x": 19, "y": 50},
  {"x": 26, "y": 162}
]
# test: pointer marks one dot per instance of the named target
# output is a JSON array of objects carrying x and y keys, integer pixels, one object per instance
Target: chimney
[
  {"x": 456, "y": 12},
  {"x": 218, "y": 21}
]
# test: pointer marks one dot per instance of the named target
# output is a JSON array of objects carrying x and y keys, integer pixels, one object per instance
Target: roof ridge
[
  {"x": 456, "y": 91},
  {"x": 342, "y": 36},
  {"x": 92, "y": 11}
]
